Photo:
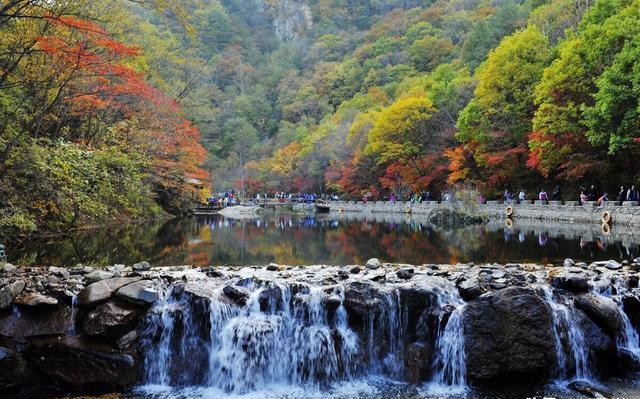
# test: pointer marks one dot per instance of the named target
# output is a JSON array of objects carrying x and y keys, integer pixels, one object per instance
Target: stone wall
[{"x": 626, "y": 215}]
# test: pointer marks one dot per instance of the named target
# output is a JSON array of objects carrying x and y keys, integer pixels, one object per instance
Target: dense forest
[{"x": 111, "y": 110}]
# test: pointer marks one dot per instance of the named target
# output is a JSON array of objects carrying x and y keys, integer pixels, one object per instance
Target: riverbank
[
  {"x": 242, "y": 329},
  {"x": 627, "y": 214}
]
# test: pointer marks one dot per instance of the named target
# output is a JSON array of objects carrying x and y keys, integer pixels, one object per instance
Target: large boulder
[
  {"x": 416, "y": 362},
  {"x": 9, "y": 292},
  {"x": 80, "y": 364},
  {"x": 142, "y": 266},
  {"x": 508, "y": 332},
  {"x": 111, "y": 319},
  {"x": 6, "y": 268},
  {"x": 38, "y": 321},
  {"x": 452, "y": 218},
  {"x": 573, "y": 282},
  {"x": 140, "y": 293},
  {"x": 98, "y": 275},
  {"x": 360, "y": 298},
  {"x": 35, "y": 299},
  {"x": 16, "y": 371},
  {"x": 603, "y": 311},
  {"x": 237, "y": 294},
  {"x": 471, "y": 288},
  {"x": 103, "y": 290}
]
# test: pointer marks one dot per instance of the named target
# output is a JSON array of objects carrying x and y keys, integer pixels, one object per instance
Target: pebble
[
  {"x": 7, "y": 268},
  {"x": 59, "y": 271},
  {"x": 142, "y": 266},
  {"x": 405, "y": 274},
  {"x": 373, "y": 264}
]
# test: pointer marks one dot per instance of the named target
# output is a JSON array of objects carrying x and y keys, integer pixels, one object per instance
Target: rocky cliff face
[
  {"x": 291, "y": 18},
  {"x": 240, "y": 329}
]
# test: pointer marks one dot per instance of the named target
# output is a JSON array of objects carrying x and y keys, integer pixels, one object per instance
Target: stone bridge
[{"x": 626, "y": 214}]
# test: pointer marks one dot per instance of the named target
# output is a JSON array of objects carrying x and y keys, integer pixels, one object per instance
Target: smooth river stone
[{"x": 102, "y": 290}]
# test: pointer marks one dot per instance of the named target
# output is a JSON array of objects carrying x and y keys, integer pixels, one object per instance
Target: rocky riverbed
[{"x": 239, "y": 330}]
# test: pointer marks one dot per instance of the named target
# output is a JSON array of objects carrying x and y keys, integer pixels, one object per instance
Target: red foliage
[{"x": 91, "y": 71}]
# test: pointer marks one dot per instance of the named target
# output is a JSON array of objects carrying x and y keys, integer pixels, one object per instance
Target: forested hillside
[
  {"x": 109, "y": 109},
  {"x": 355, "y": 96}
]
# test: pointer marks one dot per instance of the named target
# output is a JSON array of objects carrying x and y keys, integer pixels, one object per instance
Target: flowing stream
[{"x": 573, "y": 365}]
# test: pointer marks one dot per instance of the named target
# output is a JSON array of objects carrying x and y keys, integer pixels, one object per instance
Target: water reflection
[{"x": 328, "y": 239}]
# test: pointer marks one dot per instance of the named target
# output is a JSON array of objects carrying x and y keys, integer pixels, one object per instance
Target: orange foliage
[{"x": 91, "y": 71}]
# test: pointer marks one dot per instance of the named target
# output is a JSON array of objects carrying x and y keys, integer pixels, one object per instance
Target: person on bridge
[
  {"x": 592, "y": 194},
  {"x": 583, "y": 198},
  {"x": 508, "y": 197},
  {"x": 556, "y": 195},
  {"x": 543, "y": 195},
  {"x": 522, "y": 196},
  {"x": 604, "y": 198},
  {"x": 632, "y": 194},
  {"x": 622, "y": 195}
]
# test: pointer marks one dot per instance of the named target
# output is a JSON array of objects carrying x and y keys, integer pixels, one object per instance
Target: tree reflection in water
[{"x": 327, "y": 239}]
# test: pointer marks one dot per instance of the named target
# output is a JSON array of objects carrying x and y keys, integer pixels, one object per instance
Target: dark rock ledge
[{"x": 77, "y": 329}]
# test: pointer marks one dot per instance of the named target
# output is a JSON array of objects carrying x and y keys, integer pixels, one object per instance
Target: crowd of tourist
[
  {"x": 590, "y": 194},
  {"x": 231, "y": 198}
]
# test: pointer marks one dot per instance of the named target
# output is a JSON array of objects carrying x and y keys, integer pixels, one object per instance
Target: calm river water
[{"x": 327, "y": 239}]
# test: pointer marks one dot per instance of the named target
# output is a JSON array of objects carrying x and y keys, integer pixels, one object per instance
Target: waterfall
[
  {"x": 564, "y": 323},
  {"x": 628, "y": 340},
  {"x": 385, "y": 336},
  {"x": 285, "y": 344},
  {"x": 289, "y": 334},
  {"x": 450, "y": 363},
  {"x": 73, "y": 314}
]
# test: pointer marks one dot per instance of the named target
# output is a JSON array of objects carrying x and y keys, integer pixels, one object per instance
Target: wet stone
[
  {"x": 498, "y": 286},
  {"x": 142, "y": 266},
  {"x": 59, "y": 272},
  {"x": 333, "y": 302},
  {"x": 6, "y": 268},
  {"x": 405, "y": 274},
  {"x": 373, "y": 264},
  {"x": 9, "y": 292},
  {"x": 498, "y": 275},
  {"x": 35, "y": 299},
  {"x": 237, "y": 294},
  {"x": 140, "y": 293},
  {"x": 98, "y": 275}
]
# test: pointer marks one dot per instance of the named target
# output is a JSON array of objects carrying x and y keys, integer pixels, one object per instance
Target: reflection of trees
[
  {"x": 306, "y": 240},
  {"x": 98, "y": 247},
  {"x": 464, "y": 243}
]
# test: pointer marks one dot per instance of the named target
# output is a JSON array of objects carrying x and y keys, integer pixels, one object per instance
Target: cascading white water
[
  {"x": 449, "y": 363},
  {"x": 564, "y": 324},
  {"x": 286, "y": 334},
  {"x": 72, "y": 316},
  {"x": 289, "y": 345},
  {"x": 628, "y": 339},
  {"x": 272, "y": 339}
]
